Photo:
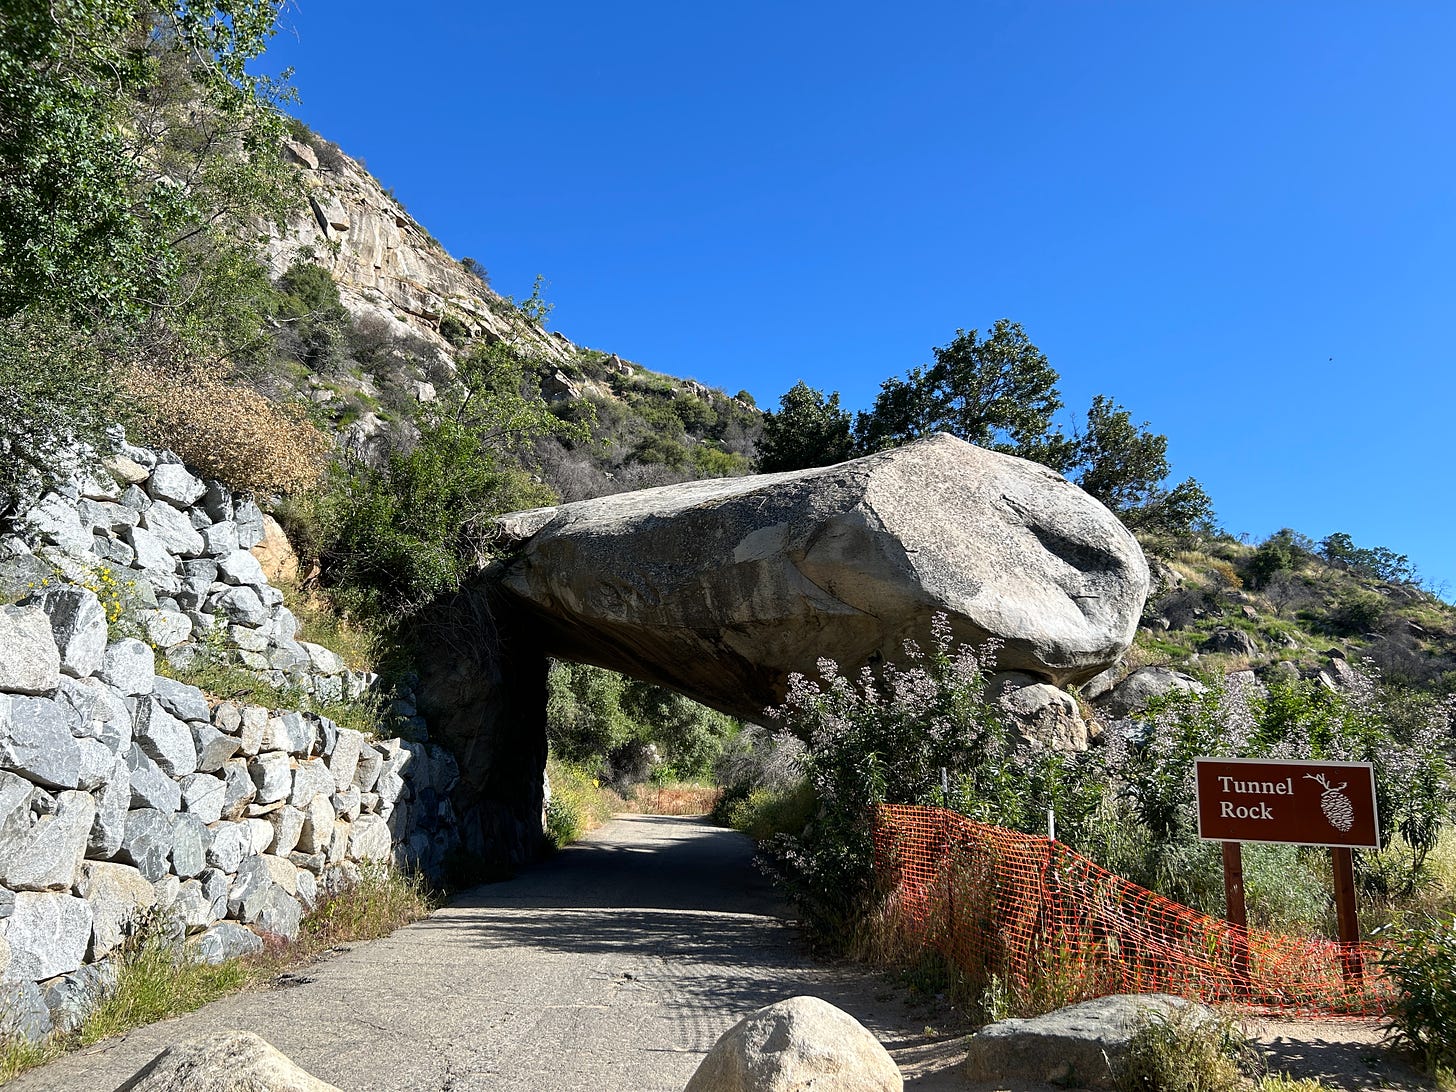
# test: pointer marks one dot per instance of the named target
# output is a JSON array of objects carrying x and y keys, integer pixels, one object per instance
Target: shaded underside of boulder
[
  {"x": 722, "y": 588},
  {"x": 239, "y": 1062}
]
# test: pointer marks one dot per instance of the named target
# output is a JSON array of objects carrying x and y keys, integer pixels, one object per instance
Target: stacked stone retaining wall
[{"x": 127, "y": 796}]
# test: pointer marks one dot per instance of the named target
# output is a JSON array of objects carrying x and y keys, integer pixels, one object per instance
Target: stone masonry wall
[{"x": 127, "y": 795}]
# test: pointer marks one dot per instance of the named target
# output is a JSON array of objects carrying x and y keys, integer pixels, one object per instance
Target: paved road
[{"x": 613, "y": 966}]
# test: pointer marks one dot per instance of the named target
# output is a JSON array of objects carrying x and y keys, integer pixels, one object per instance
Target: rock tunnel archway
[{"x": 721, "y": 589}]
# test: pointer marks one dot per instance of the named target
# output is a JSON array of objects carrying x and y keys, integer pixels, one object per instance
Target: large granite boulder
[
  {"x": 800, "y": 1043},
  {"x": 1134, "y": 693},
  {"x": 722, "y": 588},
  {"x": 1079, "y": 1046},
  {"x": 233, "y": 1062}
]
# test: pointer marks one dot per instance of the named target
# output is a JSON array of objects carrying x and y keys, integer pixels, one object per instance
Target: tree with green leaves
[
  {"x": 309, "y": 308},
  {"x": 138, "y": 152},
  {"x": 808, "y": 430},
  {"x": 131, "y": 137},
  {"x": 1377, "y": 562},
  {"x": 1125, "y": 466},
  {"x": 392, "y": 537},
  {"x": 998, "y": 391}
]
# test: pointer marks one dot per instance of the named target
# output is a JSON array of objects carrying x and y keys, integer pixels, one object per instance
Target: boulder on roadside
[
  {"x": 1076, "y": 1047},
  {"x": 235, "y": 1062},
  {"x": 804, "y": 1042}
]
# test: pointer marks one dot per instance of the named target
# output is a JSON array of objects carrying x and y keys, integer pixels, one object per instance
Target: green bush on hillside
[
  {"x": 56, "y": 388},
  {"x": 605, "y": 721},
  {"x": 392, "y": 537}
]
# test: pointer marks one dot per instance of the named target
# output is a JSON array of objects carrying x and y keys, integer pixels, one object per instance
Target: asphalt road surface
[{"x": 612, "y": 967}]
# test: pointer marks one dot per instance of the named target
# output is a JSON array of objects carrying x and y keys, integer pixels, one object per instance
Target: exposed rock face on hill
[
  {"x": 385, "y": 263},
  {"x": 721, "y": 589}
]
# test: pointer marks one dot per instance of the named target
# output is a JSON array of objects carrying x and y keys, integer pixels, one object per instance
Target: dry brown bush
[
  {"x": 228, "y": 431},
  {"x": 678, "y": 799}
]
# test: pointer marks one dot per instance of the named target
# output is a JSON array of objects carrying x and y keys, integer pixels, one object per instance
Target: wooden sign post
[
  {"x": 1296, "y": 803},
  {"x": 1233, "y": 898}
]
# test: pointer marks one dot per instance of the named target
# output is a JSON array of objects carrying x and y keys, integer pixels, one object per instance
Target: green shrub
[
  {"x": 1183, "y": 1051},
  {"x": 393, "y": 537},
  {"x": 714, "y": 462},
  {"x": 886, "y": 739},
  {"x": 454, "y": 331},
  {"x": 1275, "y": 555},
  {"x": 578, "y": 803},
  {"x": 1420, "y": 958},
  {"x": 660, "y": 450},
  {"x": 1287, "y": 888},
  {"x": 563, "y": 821},
  {"x": 1357, "y": 612},
  {"x": 766, "y": 813},
  {"x": 56, "y": 388},
  {"x": 602, "y": 720}
]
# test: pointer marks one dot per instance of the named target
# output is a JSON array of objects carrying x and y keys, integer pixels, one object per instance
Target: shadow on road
[
  {"x": 682, "y": 916},
  {"x": 645, "y": 862}
]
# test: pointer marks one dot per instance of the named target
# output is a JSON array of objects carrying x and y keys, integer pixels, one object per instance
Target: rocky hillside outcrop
[{"x": 385, "y": 263}]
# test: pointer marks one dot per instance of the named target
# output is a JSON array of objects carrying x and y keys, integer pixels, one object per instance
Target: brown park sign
[{"x": 1303, "y": 803}]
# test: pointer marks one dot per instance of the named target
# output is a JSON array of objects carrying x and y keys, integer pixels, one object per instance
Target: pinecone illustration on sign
[{"x": 1335, "y": 804}]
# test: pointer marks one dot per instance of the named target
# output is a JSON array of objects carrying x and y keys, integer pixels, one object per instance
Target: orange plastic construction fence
[{"x": 1054, "y": 928}]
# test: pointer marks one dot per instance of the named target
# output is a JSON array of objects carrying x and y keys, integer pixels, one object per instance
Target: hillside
[
  {"x": 411, "y": 309},
  {"x": 1218, "y": 607}
]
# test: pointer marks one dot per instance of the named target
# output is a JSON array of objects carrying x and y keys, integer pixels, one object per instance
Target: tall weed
[{"x": 1420, "y": 959}]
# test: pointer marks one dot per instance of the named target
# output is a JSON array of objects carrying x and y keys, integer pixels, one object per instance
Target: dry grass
[
  {"x": 1434, "y": 891},
  {"x": 229, "y": 432},
  {"x": 320, "y": 623},
  {"x": 1283, "y": 1082},
  {"x": 679, "y": 798},
  {"x": 383, "y": 900}
]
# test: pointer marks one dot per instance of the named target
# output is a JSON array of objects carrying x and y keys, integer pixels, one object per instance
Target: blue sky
[{"x": 1235, "y": 218}]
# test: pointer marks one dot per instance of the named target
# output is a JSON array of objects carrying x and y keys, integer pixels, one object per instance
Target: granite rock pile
[{"x": 171, "y": 552}]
